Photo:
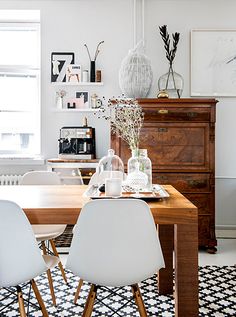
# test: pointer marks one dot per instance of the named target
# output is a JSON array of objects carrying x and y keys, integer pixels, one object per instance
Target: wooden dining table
[{"x": 175, "y": 216}]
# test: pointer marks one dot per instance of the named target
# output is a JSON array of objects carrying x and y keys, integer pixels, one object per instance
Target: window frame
[{"x": 25, "y": 71}]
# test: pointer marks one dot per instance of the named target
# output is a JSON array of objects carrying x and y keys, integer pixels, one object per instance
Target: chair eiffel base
[
  {"x": 22, "y": 301},
  {"x": 92, "y": 296}
]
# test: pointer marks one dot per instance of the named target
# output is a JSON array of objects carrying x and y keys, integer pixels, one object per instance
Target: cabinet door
[{"x": 172, "y": 146}]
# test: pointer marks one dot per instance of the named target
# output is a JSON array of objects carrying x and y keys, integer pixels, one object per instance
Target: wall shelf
[
  {"x": 77, "y": 84},
  {"x": 76, "y": 110}
]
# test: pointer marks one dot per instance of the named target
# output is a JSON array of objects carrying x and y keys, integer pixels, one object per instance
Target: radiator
[{"x": 10, "y": 179}]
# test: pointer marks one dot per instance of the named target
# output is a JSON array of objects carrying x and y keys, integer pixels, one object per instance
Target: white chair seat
[
  {"x": 51, "y": 261},
  {"x": 47, "y": 232}
]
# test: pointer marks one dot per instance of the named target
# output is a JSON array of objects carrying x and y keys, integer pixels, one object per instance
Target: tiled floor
[{"x": 226, "y": 254}]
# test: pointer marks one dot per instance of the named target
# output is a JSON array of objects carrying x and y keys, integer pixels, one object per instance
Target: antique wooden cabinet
[{"x": 179, "y": 135}]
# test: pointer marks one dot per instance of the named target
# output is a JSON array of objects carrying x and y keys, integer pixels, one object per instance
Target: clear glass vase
[
  {"x": 172, "y": 83},
  {"x": 145, "y": 165},
  {"x": 110, "y": 166}
]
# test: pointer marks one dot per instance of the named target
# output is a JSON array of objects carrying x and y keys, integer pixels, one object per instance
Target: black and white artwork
[
  {"x": 59, "y": 63},
  {"x": 213, "y": 62},
  {"x": 82, "y": 98}
]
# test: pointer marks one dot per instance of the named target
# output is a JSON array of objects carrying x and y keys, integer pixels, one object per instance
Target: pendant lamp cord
[{"x": 142, "y": 21}]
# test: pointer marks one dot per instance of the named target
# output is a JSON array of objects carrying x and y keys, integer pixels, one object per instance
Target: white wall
[{"x": 67, "y": 25}]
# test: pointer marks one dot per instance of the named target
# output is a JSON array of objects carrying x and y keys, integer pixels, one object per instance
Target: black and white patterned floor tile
[{"x": 217, "y": 297}]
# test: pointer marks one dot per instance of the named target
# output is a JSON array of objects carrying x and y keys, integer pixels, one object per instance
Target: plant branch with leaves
[{"x": 170, "y": 51}]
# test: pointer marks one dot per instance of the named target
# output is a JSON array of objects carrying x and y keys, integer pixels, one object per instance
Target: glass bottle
[
  {"x": 110, "y": 166},
  {"x": 145, "y": 165},
  {"x": 172, "y": 83},
  {"x": 137, "y": 180}
]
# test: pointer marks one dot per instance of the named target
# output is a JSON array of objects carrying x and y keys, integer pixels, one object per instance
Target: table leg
[
  {"x": 165, "y": 275},
  {"x": 186, "y": 270}
]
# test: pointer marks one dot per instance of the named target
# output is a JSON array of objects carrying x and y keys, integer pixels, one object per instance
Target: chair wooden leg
[
  {"x": 39, "y": 298},
  {"x": 78, "y": 290},
  {"x": 59, "y": 264},
  {"x": 90, "y": 301},
  {"x": 139, "y": 300},
  {"x": 49, "y": 278},
  {"x": 20, "y": 302}
]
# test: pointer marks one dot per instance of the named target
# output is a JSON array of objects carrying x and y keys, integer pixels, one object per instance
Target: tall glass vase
[
  {"x": 145, "y": 165},
  {"x": 172, "y": 83},
  {"x": 92, "y": 71}
]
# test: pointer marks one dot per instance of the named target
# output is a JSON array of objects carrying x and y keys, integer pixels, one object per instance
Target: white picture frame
[
  {"x": 213, "y": 63},
  {"x": 73, "y": 73}
]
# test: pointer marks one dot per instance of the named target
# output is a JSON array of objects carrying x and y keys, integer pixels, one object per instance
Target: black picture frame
[{"x": 59, "y": 62}]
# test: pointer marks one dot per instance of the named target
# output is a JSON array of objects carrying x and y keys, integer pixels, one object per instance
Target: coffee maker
[{"x": 77, "y": 143}]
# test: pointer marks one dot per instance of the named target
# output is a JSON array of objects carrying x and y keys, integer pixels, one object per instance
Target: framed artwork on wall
[
  {"x": 73, "y": 73},
  {"x": 59, "y": 63},
  {"x": 213, "y": 63},
  {"x": 82, "y": 99}
]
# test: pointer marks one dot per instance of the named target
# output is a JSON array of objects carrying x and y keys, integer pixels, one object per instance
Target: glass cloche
[{"x": 110, "y": 166}]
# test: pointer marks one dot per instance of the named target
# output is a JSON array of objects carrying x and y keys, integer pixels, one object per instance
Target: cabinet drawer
[
  {"x": 176, "y": 146},
  {"x": 185, "y": 183},
  {"x": 204, "y": 203},
  {"x": 171, "y": 114}
]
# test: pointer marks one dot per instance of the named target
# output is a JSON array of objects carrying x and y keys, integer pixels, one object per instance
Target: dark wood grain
[{"x": 179, "y": 135}]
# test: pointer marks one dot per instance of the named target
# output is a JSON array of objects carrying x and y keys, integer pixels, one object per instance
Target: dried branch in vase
[
  {"x": 126, "y": 119},
  {"x": 170, "y": 52}
]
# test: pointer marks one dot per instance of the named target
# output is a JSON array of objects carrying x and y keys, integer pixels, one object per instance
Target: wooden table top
[{"x": 62, "y": 204}]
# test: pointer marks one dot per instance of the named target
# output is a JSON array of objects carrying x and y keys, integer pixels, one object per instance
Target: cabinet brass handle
[
  {"x": 163, "y": 111},
  {"x": 196, "y": 183},
  {"x": 162, "y": 130},
  {"x": 191, "y": 114}
]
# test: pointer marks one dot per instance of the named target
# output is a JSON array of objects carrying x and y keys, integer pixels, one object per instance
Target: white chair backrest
[
  {"x": 100, "y": 178},
  {"x": 40, "y": 178},
  {"x": 115, "y": 243},
  {"x": 20, "y": 257}
]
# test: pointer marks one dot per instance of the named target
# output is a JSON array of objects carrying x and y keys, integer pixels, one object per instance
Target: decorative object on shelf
[
  {"x": 71, "y": 105},
  {"x": 95, "y": 102},
  {"x": 59, "y": 62},
  {"x": 93, "y": 62},
  {"x": 73, "y": 73},
  {"x": 98, "y": 76},
  {"x": 145, "y": 165},
  {"x": 82, "y": 99},
  {"x": 135, "y": 74},
  {"x": 59, "y": 98},
  {"x": 85, "y": 78},
  {"x": 171, "y": 82}
]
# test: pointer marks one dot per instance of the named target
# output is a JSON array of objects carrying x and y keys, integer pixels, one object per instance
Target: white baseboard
[{"x": 226, "y": 231}]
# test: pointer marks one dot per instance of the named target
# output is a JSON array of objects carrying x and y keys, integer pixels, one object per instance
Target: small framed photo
[
  {"x": 73, "y": 73},
  {"x": 213, "y": 62},
  {"x": 59, "y": 62},
  {"x": 82, "y": 98}
]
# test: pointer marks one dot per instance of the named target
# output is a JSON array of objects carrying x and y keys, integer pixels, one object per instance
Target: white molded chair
[
  {"x": 46, "y": 232},
  {"x": 21, "y": 260},
  {"x": 115, "y": 243}
]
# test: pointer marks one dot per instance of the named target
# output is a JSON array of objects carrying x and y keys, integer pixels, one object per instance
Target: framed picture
[
  {"x": 73, "y": 73},
  {"x": 59, "y": 62},
  {"x": 82, "y": 98},
  {"x": 213, "y": 63}
]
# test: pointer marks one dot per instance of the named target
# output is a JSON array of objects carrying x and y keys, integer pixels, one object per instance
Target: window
[{"x": 20, "y": 88}]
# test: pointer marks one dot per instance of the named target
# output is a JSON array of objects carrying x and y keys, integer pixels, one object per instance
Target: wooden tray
[{"x": 158, "y": 193}]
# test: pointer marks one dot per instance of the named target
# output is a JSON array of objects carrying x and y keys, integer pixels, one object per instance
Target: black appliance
[{"x": 77, "y": 143}]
